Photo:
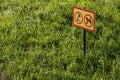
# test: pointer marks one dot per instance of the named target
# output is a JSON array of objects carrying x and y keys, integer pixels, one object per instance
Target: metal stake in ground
[{"x": 84, "y": 41}]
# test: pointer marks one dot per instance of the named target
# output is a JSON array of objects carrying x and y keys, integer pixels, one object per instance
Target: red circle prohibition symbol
[
  {"x": 78, "y": 16},
  {"x": 88, "y": 20}
]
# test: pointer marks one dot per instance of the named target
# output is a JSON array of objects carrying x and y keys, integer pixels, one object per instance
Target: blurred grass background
[{"x": 38, "y": 41}]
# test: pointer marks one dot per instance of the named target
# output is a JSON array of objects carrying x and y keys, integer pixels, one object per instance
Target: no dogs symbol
[{"x": 88, "y": 20}]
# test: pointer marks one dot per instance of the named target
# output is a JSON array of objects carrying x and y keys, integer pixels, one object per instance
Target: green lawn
[{"x": 38, "y": 41}]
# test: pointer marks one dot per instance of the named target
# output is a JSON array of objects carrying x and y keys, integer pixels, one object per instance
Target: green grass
[{"x": 38, "y": 41}]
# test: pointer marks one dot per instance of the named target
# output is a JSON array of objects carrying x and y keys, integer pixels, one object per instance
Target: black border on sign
[{"x": 87, "y": 11}]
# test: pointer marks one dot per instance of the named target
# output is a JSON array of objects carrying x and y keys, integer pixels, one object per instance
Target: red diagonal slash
[{"x": 88, "y": 20}]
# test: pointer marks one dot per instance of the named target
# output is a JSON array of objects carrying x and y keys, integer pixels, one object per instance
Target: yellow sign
[{"x": 83, "y": 18}]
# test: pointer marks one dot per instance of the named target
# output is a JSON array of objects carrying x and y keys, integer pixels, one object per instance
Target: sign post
[
  {"x": 84, "y": 41},
  {"x": 85, "y": 19}
]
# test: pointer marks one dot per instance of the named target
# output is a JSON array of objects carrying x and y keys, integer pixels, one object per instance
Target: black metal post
[{"x": 84, "y": 41}]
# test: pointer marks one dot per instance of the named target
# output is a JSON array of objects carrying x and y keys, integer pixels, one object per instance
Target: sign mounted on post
[{"x": 83, "y": 18}]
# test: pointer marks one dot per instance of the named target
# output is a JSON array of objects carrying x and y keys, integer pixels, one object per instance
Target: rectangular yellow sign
[{"x": 83, "y": 18}]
